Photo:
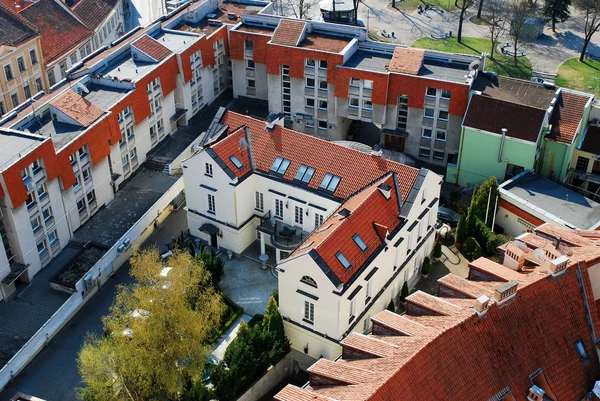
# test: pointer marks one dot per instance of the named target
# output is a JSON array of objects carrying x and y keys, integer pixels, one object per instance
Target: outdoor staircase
[{"x": 156, "y": 165}]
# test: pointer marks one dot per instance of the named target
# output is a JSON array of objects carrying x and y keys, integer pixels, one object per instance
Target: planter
[
  {"x": 424, "y": 275},
  {"x": 458, "y": 245},
  {"x": 229, "y": 254}
]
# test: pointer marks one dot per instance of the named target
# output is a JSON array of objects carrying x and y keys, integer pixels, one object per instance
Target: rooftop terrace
[
  {"x": 328, "y": 43},
  {"x": 263, "y": 30},
  {"x": 225, "y": 14},
  {"x": 125, "y": 68},
  {"x": 13, "y": 144},
  {"x": 174, "y": 41},
  {"x": 102, "y": 96}
]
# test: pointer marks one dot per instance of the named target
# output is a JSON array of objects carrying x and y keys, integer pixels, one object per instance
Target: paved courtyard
[{"x": 452, "y": 261}]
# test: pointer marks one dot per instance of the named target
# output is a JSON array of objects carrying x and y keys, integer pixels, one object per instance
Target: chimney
[
  {"x": 558, "y": 266},
  {"x": 535, "y": 394},
  {"x": 273, "y": 120},
  {"x": 506, "y": 292},
  {"x": 501, "y": 151},
  {"x": 481, "y": 305},
  {"x": 514, "y": 257},
  {"x": 376, "y": 150},
  {"x": 385, "y": 189}
]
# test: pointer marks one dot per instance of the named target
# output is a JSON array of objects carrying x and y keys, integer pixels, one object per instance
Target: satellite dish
[
  {"x": 243, "y": 143},
  {"x": 82, "y": 87},
  {"x": 474, "y": 65},
  {"x": 521, "y": 245}
]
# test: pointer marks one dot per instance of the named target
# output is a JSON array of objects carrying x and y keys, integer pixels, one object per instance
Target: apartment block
[{"x": 347, "y": 228}]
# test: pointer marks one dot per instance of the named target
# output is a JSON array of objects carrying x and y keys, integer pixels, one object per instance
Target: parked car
[{"x": 448, "y": 216}]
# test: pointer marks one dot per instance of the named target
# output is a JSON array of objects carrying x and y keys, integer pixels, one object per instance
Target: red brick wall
[
  {"x": 294, "y": 57},
  {"x": 380, "y": 83},
  {"x": 236, "y": 46}
]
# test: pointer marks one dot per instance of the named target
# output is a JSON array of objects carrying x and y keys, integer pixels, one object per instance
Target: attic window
[
  {"x": 305, "y": 173},
  {"x": 324, "y": 228},
  {"x": 330, "y": 182},
  {"x": 236, "y": 162},
  {"x": 340, "y": 256},
  {"x": 361, "y": 244},
  {"x": 309, "y": 280},
  {"x": 580, "y": 347},
  {"x": 280, "y": 165}
]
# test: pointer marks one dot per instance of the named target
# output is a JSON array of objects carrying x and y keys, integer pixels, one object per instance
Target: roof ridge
[{"x": 483, "y": 95}]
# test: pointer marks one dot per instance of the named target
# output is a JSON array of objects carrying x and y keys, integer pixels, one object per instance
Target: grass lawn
[
  {"x": 580, "y": 76},
  {"x": 501, "y": 64},
  {"x": 411, "y": 5}
]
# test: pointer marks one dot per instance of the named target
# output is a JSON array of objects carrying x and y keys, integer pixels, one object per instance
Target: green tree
[
  {"x": 437, "y": 250},
  {"x": 426, "y": 268},
  {"x": 461, "y": 229},
  {"x": 404, "y": 292},
  {"x": 273, "y": 322},
  {"x": 141, "y": 358},
  {"x": 471, "y": 248},
  {"x": 556, "y": 11},
  {"x": 471, "y": 221},
  {"x": 213, "y": 264},
  {"x": 192, "y": 249},
  {"x": 391, "y": 306},
  {"x": 488, "y": 190}
]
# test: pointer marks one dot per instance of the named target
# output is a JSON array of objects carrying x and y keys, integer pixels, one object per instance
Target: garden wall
[{"x": 275, "y": 375}]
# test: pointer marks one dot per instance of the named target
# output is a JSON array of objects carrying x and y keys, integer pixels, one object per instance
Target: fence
[
  {"x": 268, "y": 381},
  {"x": 90, "y": 283}
]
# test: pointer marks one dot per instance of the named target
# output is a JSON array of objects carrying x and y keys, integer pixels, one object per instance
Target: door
[
  {"x": 213, "y": 240},
  {"x": 395, "y": 142}
]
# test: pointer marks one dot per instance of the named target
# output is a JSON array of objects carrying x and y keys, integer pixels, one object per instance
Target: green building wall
[{"x": 555, "y": 159}]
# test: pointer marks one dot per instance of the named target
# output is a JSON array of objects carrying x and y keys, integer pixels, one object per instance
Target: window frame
[
  {"x": 259, "y": 201},
  {"x": 211, "y": 204},
  {"x": 343, "y": 260}
]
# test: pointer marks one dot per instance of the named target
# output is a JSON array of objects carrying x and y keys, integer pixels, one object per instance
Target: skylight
[
  {"x": 280, "y": 165},
  {"x": 361, "y": 244},
  {"x": 330, "y": 182},
  {"x": 236, "y": 162},
  {"x": 305, "y": 173},
  {"x": 340, "y": 256}
]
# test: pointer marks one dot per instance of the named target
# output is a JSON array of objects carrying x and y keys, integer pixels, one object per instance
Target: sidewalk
[{"x": 227, "y": 337}]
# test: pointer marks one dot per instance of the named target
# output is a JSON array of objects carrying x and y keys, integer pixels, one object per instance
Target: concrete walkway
[{"x": 228, "y": 337}]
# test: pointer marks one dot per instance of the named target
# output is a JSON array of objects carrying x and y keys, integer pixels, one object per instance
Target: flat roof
[
  {"x": 328, "y": 43},
  {"x": 13, "y": 144},
  {"x": 104, "y": 97},
  {"x": 514, "y": 90},
  {"x": 553, "y": 200},
  {"x": 61, "y": 133},
  {"x": 125, "y": 67},
  {"x": 369, "y": 61},
  {"x": 221, "y": 14},
  {"x": 263, "y": 30},
  {"x": 174, "y": 41}
]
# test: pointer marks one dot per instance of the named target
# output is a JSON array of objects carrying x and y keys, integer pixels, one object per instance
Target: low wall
[
  {"x": 95, "y": 277},
  {"x": 274, "y": 376}
]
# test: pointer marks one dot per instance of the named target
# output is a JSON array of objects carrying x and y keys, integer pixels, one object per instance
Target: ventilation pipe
[{"x": 502, "y": 145}]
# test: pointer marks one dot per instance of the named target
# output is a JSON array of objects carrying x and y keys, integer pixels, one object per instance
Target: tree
[
  {"x": 391, "y": 306},
  {"x": 486, "y": 191},
  {"x": 556, "y": 11},
  {"x": 591, "y": 10},
  {"x": 158, "y": 332},
  {"x": 300, "y": 7},
  {"x": 479, "y": 9},
  {"x": 426, "y": 268},
  {"x": 463, "y": 5},
  {"x": 404, "y": 292},
  {"x": 496, "y": 22},
  {"x": 213, "y": 264},
  {"x": 518, "y": 12},
  {"x": 191, "y": 249},
  {"x": 471, "y": 220},
  {"x": 273, "y": 322},
  {"x": 437, "y": 250},
  {"x": 461, "y": 229}
]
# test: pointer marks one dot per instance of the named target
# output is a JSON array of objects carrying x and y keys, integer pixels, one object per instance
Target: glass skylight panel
[
  {"x": 330, "y": 182},
  {"x": 236, "y": 162},
  {"x": 361, "y": 244},
  {"x": 304, "y": 173},
  {"x": 300, "y": 172},
  {"x": 283, "y": 166},
  {"x": 340, "y": 256},
  {"x": 276, "y": 164},
  {"x": 326, "y": 181}
]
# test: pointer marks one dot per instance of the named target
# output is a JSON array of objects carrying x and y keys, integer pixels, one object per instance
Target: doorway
[
  {"x": 213, "y": 240},
  {"x": 395, "y": 142}
]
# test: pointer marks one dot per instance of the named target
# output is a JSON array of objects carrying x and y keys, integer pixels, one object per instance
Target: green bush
[
  {"x": 471, "y": 248},
  {"x": 191, "y": 248},
  {"x": 391, "y": 306},
  {"x": 404, "y": 292},
  {"x": 426, "y": 268},
  {"x": 231, "y": 314},
  {"x": 437, "y": 250},
  {"x": 214, "y": 264},
  {"x": 256, "y": 319},
  {"x": 461, "y": 229},
  {"x": 197, "y": 392},
  {"x": 275, "y": 294}
]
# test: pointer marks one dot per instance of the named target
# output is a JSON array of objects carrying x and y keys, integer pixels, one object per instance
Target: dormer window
[
  {"x": 340, "y": 256},
  {"x": 358, "y": 241},
  {"x": 330, "y": 182},
  {"x": 304, "y": 173},
  {"x": 236, "y": 162},
  {"x": 280, "y": 165}
]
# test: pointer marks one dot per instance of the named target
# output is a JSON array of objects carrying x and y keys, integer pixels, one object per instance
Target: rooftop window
[
  {"x": 361, "y": 244},
  {"x": 340, "y": 256},
  {"x": 581, "y": 350},
  {"x": 280, "y": 165},
  {"x": 305, "y": 173},
  {"x": 236, "y": 162},
  {"x": 330, "y": 182}
]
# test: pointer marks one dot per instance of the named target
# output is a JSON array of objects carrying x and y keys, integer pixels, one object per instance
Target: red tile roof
[
  {"x": 234, "y": 148},
  {"x": 325, "y": 43},
  {"x": 61, "y": 32},
  {"x": 152, "y": 48},
  {"x": 356, "y": 169},
  {"x": 93, "y": 12},
  {"x": 288, "y": 32},
  {"x": 456, "y": 355},
  {"x": 14, "y": 29},
  {"x": 566, "y": 116},
  {"x": 77, "y": 107},
  {"x": 407, "y": 60}
]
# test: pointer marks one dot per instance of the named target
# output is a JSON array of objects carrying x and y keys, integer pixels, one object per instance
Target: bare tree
[
  {"x": 496, "y": 19},
  {"x": 300, "y": 7},
  {"x": 355, "y": 4},
  {"x": 518, "y": 12},
  {"x": 463, "y": 5},
  {"x": 591, "y": 9},
  {"x": 479, "y": 9}
]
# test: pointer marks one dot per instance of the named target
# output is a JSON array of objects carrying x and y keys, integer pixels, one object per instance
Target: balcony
[{"x": 283, "y": 236}]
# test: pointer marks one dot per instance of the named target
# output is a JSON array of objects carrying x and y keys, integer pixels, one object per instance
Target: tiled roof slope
[
  {"x": 60, "y": 31},
  {"x": 77, "y": 107},
  {"x": 14, "y": 30},
  {"x": 406, "y": 60},
  {"x": 490, "y": 114},
  {"x": 93, "y": 12},
  {"x": 460, "y": 356},
  {"x": 235, "y": 147},
  {"x": 288, "y": 32},
  {"x": 566, "y": 116},
  {"x": 356, "y": 169},
  {"x": 367, "y": 209},
  {"x": 152, "y": 48}
]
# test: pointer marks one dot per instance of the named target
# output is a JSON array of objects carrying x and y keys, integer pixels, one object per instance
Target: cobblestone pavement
[{"x": 451, "y": 261}]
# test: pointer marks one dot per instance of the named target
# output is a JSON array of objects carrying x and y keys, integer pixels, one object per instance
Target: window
[
  {"x": 426, "y": 133},
  {"x": 342, "y": 259},
  {"x": 309, "y": 280},
  {"x": 424, "y": 152},
  {"x": 438, "y": 155},
  {"x": 63, "y": 68},
  {"x": 310, "y": 82},
  {"x": 322, "y": 84},
  {"x": 14, "y": 98},
  {"x": 8, "y": 72},
  {"x": 21, "y": 64},
  {"x": 319, "y": 218},
  {"x": 580, "y": 347},
  {"x": 38, "y": 84},
  {"x": 443, "y": 115},
  {"x": 354, "y": 82},
  {"x": 299, "y": 215},
  {"x": 322, "y": 124},
  {"x": 309, "y": 312},
  {"x": 310, "y": 62},
  {"x": 323, "y": 64},
  {"x": 236, "y": 162},
  {"x": 280, "y": 165},
  {"x": 440, "y": 135},
  {"x": 33, "y": 57},
  {"x": 41, "y": 247},
  {"x": 429, "y": 113},
  {"x": 2, "y": 108},
  {"x": 125, "y": 162},
  {"x": 512, "y": 170},
  {"x": 352, "y": 308},
  {"x": 367, "y": 84},
  {"x": 431, "y": 92},
  {"x": 258, "y": 200},
  {"x": 211, "y": 203},
  {"x": 323, "y": 104},
  {"x": 133, "y": 155},
  {"x": 91, "y": 197},
  {"x": 73, "y": 58},
  {"x": 368, "y": 291},
  {"x": 596, "y": 167},
  {"x": 367, "y": 104},
  {"x": 36, "y": 224},
  {"x": 157, "y": 105},
  {"x": 129, "y": 132},
  {"x": 47, "y": 215},
  {"x": 53, "y": 238},
  {"x": 354, "y": 102},
  {"x": 81, "y": 205},
  {"x": 26, "y": 90},
  {"x": 279, "y": 208},
  {"x": 445, "y": 94},
  {"x": 304, "y": 173},
  {"x": 367, "y": 324},
  {"x": 51, "y": 77},
  {"x": 330, "y": 182},
  {"x": 77, "y": 185},
  {"x": 86, "y": 174},
  {"x": 208, "y": 169},
  {"x": 358, "y": 241},
  {"x": 41, "y": 191},
  {"x": 250, "y": 64},
  {"x": 582, "y": 163},
  {"x": 310, "y": 123},
  {"x": 309, "y": 102},
  {"x": 248, "y": 44}
]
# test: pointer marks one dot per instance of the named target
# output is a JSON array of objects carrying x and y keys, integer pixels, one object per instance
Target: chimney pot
[
  {"x": 481, "y": 305},
  {"x": 505, "y": 292}
]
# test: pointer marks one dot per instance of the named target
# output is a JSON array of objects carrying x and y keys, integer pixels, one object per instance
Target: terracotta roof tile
[
  {"x": 291, "y": 393},
  {"x": 400, "y": 323},
  {"x": 407, "y": 60},
  {"x": 233, "y": 148},
  {"x": 566, "y": 116},
  {"x": 93, "y": 12},
  {"x": 151, "y": 47},
  {"x": 325, "y": 43},
  {"x": 61, "y": 32},
  {"x": 288, "y": 32},
  {"x": 77, "y": 107},
  {"x": 14, "y": 29}
]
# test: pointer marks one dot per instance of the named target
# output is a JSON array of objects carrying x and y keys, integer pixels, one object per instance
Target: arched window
[{"x": 309, "y": 280}]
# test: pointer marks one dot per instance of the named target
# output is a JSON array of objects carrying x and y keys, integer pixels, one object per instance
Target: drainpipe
[{"x": 502, "y": 145}]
